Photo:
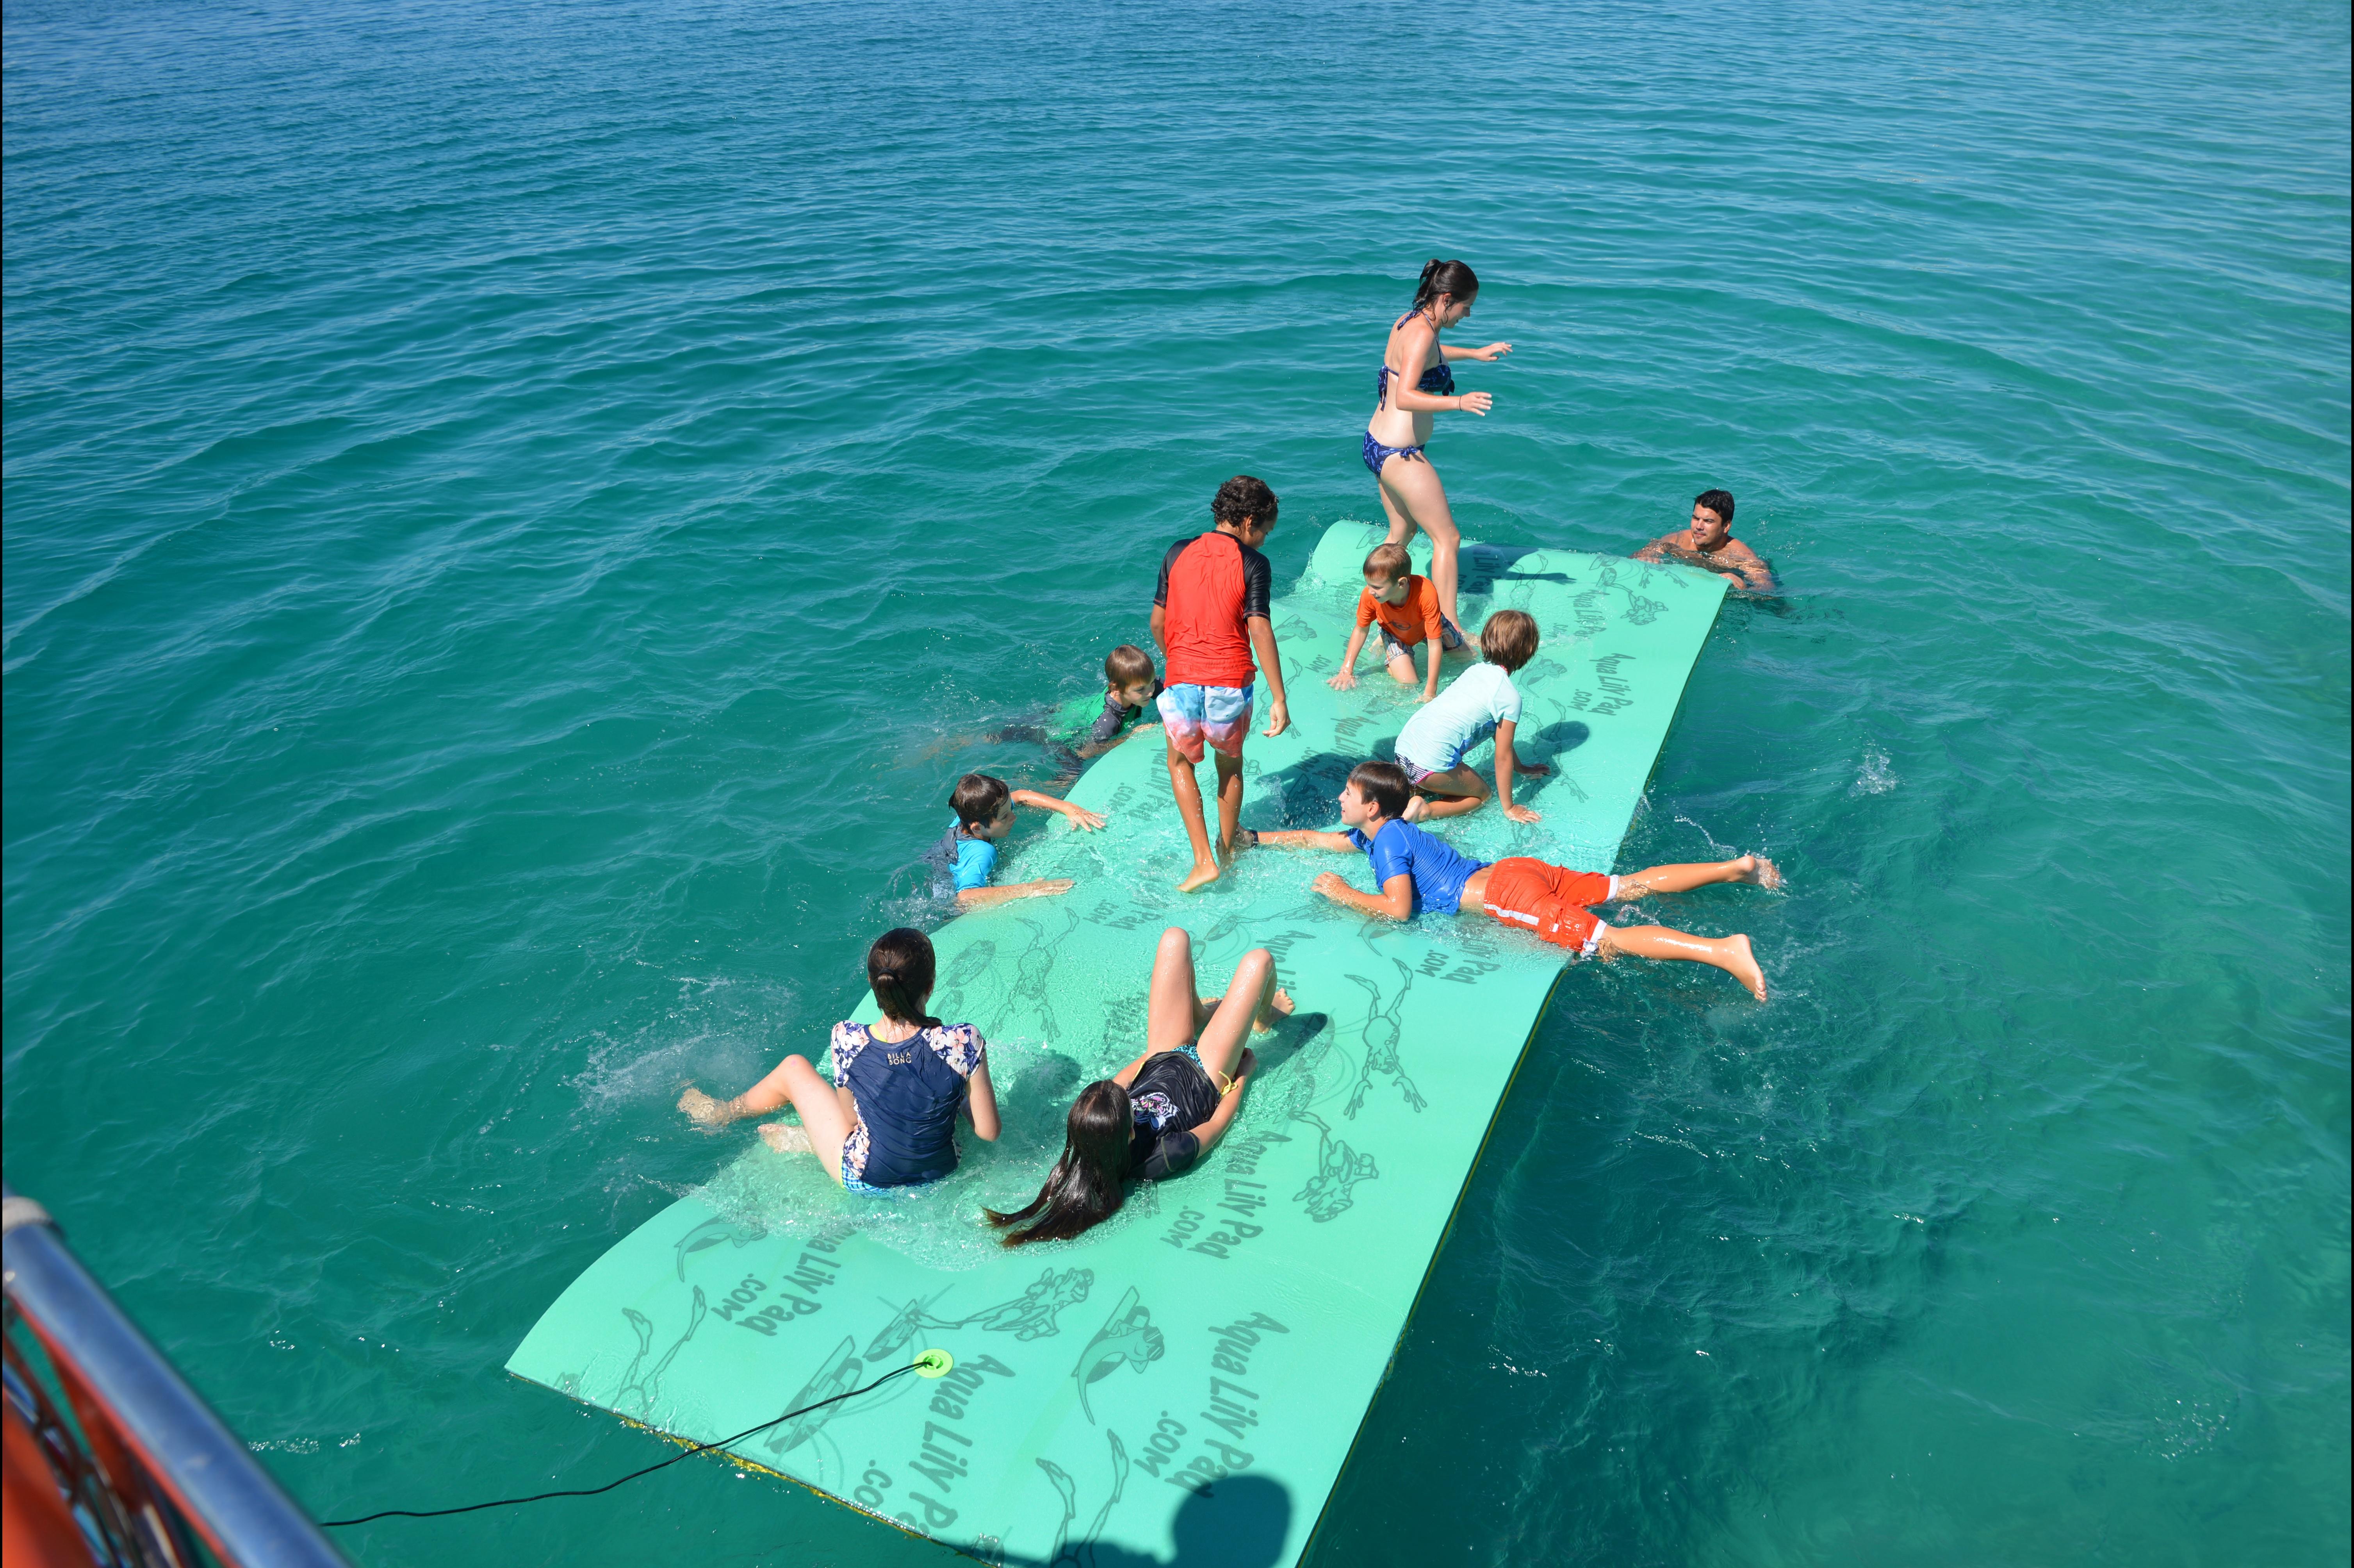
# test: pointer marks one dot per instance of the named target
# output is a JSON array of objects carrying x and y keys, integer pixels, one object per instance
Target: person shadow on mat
[{"x": 1239, "y": 1522}]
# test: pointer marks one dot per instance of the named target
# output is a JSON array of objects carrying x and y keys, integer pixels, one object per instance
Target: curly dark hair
[{"x": 1244, "y": 499}]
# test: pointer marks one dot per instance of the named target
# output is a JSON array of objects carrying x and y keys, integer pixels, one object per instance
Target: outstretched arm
[
  {"x": 982, "y": 897},
  {"x": 1394, "y": 901},
  {"x": 1079, "y": 815},
  {"x": 1489, "y": 351},
  {"x": 1302, "y": 838}
]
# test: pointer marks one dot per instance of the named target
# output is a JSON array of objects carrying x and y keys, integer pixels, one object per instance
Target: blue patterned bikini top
[{"x": 1438, "y": 380}]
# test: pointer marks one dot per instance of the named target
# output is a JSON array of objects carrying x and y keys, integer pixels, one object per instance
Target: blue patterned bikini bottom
[{"x": 1377, "y": 454}]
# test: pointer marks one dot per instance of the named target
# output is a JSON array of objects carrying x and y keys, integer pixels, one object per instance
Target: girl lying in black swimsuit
[{"x": 1159, "y": 1114}]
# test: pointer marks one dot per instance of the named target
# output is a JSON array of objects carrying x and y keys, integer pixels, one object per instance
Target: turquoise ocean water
[{"x": 514, "y": 516}]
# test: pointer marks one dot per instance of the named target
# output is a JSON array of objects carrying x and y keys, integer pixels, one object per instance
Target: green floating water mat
[{"x": 1186, "y": 1380}]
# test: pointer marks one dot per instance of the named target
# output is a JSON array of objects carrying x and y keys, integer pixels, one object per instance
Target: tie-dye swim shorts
[{"x": 1215, "y": 718}]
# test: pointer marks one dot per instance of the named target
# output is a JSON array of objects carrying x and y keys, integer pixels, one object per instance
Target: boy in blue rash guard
[
  {"x": 1417, "y": 873},
  {"x": 982, "y": 812}
]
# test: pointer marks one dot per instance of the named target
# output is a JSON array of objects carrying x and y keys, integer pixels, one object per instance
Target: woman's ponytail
[
  {"x": 1450, "y": 278},
  {"x": 900, "y": 971}
]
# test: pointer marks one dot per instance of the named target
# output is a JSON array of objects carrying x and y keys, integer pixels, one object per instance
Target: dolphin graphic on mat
[
  {"x": 1126, "y": 1338},
  {"x": 646, "y": 1383},
  {"x": 1384, "y": 1030},
  {"x": 711, "y": 1233}
]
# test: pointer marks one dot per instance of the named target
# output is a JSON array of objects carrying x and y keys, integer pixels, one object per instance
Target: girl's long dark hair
[
  {"x": 899, "y": 969},
  {"x": 1438, "y": 278},
  {"x": 1087, "y": 1185}
]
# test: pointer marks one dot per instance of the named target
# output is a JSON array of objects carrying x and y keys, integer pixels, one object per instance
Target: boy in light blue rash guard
[
  {"x": 1481, "y": 699},
  {"x": 981, "y": 813}
]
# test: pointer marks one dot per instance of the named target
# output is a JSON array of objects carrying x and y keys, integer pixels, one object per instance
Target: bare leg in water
[
  {"x": 826, "y": 1113},
  {"x": 1414, "y": 498},
  {"x": 1731, "y": 954}
]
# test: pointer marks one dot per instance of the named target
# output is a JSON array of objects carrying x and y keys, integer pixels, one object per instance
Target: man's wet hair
[
  {"x": 1391, "y": 561},
  {"x": 1385, "y": 784},
  {"x": 1241, "y": 497},
  {"x": 1509, "y": 639},
  {"x": 1717, "y": 501},
  {"x": 976, "y": 797},
  {"x": 1127, "y": 665}
]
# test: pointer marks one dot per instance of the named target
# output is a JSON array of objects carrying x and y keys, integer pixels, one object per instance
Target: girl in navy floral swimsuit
[
  {"x": 888, "y": 1119},
  {"x": 1414, "y": 383}
]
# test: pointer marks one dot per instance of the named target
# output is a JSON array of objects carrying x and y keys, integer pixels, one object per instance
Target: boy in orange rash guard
[
  {"x": 1210, "y": 615},
  {"x": 1407, "y": 607},
  {"x": 1419, "y": 871}
]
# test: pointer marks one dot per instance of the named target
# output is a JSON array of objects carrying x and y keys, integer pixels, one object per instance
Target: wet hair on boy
[
  {"x": 1717, "y": 501},
  {"x": 1389, "y": 562},
  {"x": 1244, "y": 497},
  {"x": 1131, "y": 687},
  {"x": 1509, "y": 639},
  {"x": 1127, "y": 665},
  {"x": 980, "y": 805},
  {"x": 1385, "y": 784},
  {"x": 977, "y": 799}
]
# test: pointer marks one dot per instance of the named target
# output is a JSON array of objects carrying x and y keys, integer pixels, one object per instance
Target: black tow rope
[{"x": 925, "y": 1363}]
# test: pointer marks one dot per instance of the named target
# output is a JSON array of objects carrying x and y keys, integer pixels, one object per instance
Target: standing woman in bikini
[{"x": 1415, "y": 383}]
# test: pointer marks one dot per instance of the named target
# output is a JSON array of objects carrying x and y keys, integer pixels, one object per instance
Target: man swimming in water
[{"x": 1709, "y": 541}]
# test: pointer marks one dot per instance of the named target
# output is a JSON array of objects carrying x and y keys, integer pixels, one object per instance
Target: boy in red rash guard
[{"x": 1210, "y": 615}]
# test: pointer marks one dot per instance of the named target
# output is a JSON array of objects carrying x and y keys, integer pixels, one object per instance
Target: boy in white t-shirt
[{"x": 1482, "y": 699}]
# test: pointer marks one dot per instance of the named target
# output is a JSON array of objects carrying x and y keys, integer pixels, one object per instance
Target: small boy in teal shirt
[{"x": 981, "y": 812}]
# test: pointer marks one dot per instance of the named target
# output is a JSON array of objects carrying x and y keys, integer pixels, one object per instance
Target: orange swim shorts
[{"x": 1550, "y": 900}]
